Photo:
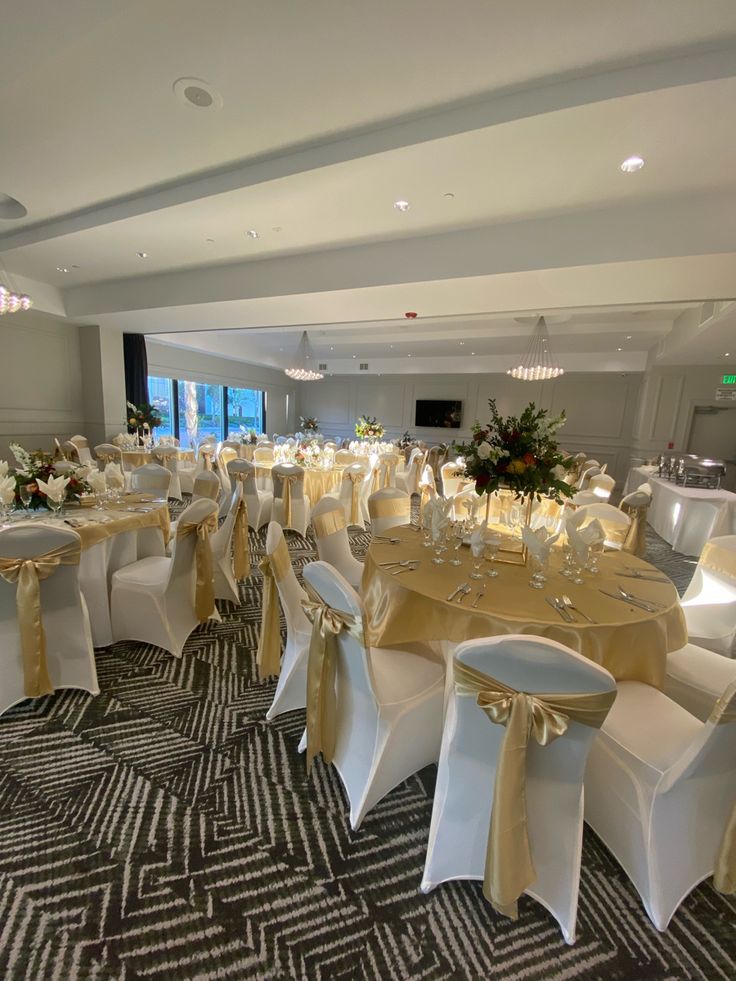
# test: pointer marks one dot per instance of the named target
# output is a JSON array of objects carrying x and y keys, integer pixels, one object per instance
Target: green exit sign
[{"x": 729, "y": 380}]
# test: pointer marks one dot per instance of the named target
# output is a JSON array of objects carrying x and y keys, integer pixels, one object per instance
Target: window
[
  {"x": 200, "y": 412},
  {"x": 244, "y": 409},
  {"x": 161, "y": 397}
]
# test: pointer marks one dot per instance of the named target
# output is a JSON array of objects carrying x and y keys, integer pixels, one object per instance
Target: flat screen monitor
[{"x": 438, "y": 413}]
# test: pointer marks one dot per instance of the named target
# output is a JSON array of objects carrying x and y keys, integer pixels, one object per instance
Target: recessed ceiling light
[
  {"x": 142, "y": 255},
  {"x": 332, "y": 349},
  {"x": 197, "y": 93},
  {"x": 408, "y": 355},
  {"x": 472, "y": 352},
  {"x": 727, "y": 354},
  {"x": 628, "y": 337},
  {"x": 62, "y": 269},
  {"x": 252, "y": 233},
  {"x": 619, "y": 349},
  {"x": 631, "y": 164},
  {"x": 401, "y": 205},
  {"x": 462, "y": 343},
  {"x": 353, "y": 355},
  {"x": 75, "y": 267},
  {"x": 11, "y": 209}
]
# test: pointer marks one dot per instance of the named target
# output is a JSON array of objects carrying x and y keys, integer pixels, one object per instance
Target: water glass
[
  {"x": 458, "y": 532},
  {"x": 493, "y": 545},
  {"x": 539, "y": 568},
  {"x": 54, "y": 506},
  {"x": 478, "y": 549},
  {"x": 568, "y": 561},
  {"x": 26, "y": 496}
]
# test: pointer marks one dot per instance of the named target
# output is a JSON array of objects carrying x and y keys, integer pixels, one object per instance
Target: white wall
[
  {"x": 167, "y": 361},
  {"x": 600, "y": 406},
  {"x": 41, "y": 390}
]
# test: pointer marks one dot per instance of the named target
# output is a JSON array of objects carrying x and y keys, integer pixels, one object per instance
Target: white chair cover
[
  {"x": 388, "y": 508},
  {"x": 659, "y": 788},
  {"x": 388, "y": 705},
  {"x": 206, "y": 484},
  {"x": 69, "y": 654},
  {"x": 331, "y": 536},
  {"x": 696, "y": 678},
  {"x": 709, "y": 602},
  {"x": 408, "y": 479},
  {"x": 168, "y": 457},
  {"x": 108, "y": 453},
  {"x": 154, "y": 600},
  {"x": 471, "y": 743},
  {"x": 83, "y": 451},
  {"x": 289, "y": 496},
  {"x": 258, "y": 502},
  {"x": 602, "y": 486},
  {"x": 291, "y": 689},
  {"x": 226, "y": 588},
  {"x": 614, "y": 522},
  {"x": 354, "y": 492},
  {"x": 452, "y": 478},
  {"x": 151, "y": 478}
]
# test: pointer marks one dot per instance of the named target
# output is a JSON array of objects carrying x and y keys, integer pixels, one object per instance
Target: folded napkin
[
  {"x": 539, "y": 541},
  {"x": 478, "y": 540},
  {"x": 83, "y": 472},
  {"x": 582, "y": 538},
  {"x": 114, "y": 475},
  {"x": 97, "y": 481},
  {"x": 7, "y": 489},
  {"x": 54, "y": 488},
  {"x": 3, "y": 468},
  {"x": 440, "y": 517}
]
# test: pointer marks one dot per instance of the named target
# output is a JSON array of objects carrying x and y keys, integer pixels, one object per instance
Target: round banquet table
[
  {"x": 629, "y": 642},
  {"x": 317, "y": 482},
  {"x": 137, "y": 458},
  {"x": 135, "y": 528}
]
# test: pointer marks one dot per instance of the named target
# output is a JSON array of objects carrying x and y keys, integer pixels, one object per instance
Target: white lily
[{"x": 7, "y": 489}]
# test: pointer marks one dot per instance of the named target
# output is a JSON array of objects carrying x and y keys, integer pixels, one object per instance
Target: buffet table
[{"x": 686, "y": 517}]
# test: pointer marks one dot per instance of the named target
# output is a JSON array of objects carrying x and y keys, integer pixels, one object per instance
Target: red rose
[
  {"x": 529, "y": 459},
  {"x": 482, "y": 479}
]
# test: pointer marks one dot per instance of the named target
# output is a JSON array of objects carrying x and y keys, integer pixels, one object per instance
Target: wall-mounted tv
[{"x": 438, "y": 414}]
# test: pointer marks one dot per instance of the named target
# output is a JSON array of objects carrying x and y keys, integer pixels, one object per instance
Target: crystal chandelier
[
  {"x": 300, "y": 371},
  {"x": 538, "y": 364},
  {"x": 11, "y": 300}
]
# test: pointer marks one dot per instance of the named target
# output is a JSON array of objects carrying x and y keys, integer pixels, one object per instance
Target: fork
[
  {"x": 454, "y": 593},
  {"x": 571, "y": 606},
  {"x": 464, "y": 592},
  {"x": 479, "y": 596},
  {"x": 630, "y": 597}
]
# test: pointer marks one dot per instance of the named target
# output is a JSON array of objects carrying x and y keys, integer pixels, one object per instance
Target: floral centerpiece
[
  {"x": 368, "y": 427},
  {"x": 520, "y": 454},
  {"x": 143, "y": 415},
  {"x": 309, "y": 424},
  {"x": 249, "y": 436},
  {"x": 34, "y": 466},
  {"x": 406, "y": 440}
]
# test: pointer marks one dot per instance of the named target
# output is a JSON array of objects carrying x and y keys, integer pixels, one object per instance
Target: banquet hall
[{"x": 368, "y": 490}]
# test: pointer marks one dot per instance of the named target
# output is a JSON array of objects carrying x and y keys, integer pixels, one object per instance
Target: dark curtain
[{"x": 136, "y": 368}]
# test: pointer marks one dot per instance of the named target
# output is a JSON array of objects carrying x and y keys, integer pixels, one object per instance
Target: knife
[
  {"x": 555, "y": 607},
  {"x": 640, "y": 603},
  {"x": 631, "y": 575}
]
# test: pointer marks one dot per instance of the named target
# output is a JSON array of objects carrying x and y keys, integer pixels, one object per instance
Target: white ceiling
[{"x": 334, "y": 109}]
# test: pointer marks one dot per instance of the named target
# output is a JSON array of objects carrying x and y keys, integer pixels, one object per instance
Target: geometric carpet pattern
[{"x": 164, "y": 830}]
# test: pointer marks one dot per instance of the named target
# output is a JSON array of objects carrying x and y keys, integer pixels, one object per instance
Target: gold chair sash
[
  {"x": 327, "y": 624},
  {"x": 205, "y": 454},
  {"x": 204, "y": 597},
  {"x": 106, "y": 458},
  {"x": 509, "y": 869},
  {"x": 724, "y": 873},
  {"x": 241, "y": 555},
  {"x": 286, "y": 481},
  {"x": 274, "y": 568},
  {"x": 376, "y": 478},
  {"x": 356, "y": 479},
  {"x": 427, "y": 492},
  {"x": 328, "y": 523},
  {"x": 636, "y": 537},
  {"x": 389, "y": 507},
  {"x": 718, "y": 559},
  {"x": 28, "y": 573}
]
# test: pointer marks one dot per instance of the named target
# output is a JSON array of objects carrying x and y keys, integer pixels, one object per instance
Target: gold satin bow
[
  {"x": 376, "y": 478},
  {"x": 268, "y": 656},
  {"x": 327, "y": 624},
  {"x": 356, "y": 478},
  {"x": 724, "y": 874},
  {"x": 287, "y": 481},
  {"x": 241, "y": 556},
  {"x": 635, "y": 541},
  {"x": 204, "y": 597},
  {"x": 28, "y": 573},
  {"x": 509, "y": 869}
]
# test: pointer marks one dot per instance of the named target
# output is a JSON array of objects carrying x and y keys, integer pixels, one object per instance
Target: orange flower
[{"x": 529, "y": 459}]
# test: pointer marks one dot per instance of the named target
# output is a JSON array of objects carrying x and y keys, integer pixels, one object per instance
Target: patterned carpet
[{"x": 164, "y": 830}]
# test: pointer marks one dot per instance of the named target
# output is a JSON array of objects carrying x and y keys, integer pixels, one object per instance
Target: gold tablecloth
[
  {"x": 317, "y": 483},
  {"x": 137, "y": 458},
  {"x": 627, "y": 641},
  {"x": 95, "y": 526}
]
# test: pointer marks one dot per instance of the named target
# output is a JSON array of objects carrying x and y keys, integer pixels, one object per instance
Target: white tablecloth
[
  {"x": 687, "y": 517},
  {"x": 638, "y": 476}
]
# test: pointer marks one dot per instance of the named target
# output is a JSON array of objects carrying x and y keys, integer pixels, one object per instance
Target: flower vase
[{"x": 512, "y": 549}]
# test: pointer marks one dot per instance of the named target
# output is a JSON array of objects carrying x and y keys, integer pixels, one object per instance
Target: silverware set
[
  {"x": 479, "y": 596},
  {"x": 650, "y": 606},
  {"x": 396, "y": 568},
  {"x": 566, "y": 608},
  {"x": 645, "y": 577},
  {"x": 460, "y": 593},
  {"x": 385, "y": 540}
]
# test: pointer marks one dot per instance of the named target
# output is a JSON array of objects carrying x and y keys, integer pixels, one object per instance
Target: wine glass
[
  {"x": 478, "y": 549},
  {"x": 578, "y": 562},
  {"x": 458, "y": 533},
  {"x": 594, "y": 551},
  {"x": 539, "y": 568},
  {"x": 567, "y": 560},
  {"x": 494, "y": 543},
  {"x": 439, "y": 547},
  {"x": 54, "y": 505},
  {"x": 26, "y": 496}
]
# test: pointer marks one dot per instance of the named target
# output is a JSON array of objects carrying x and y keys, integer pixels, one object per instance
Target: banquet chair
[
  {"x": 581, "y": 498},
  {"x": 291, "y": 505},
  {"x": 330, "y": 444},
  {"x": 452, "y": 478},
  {"x": 388, "y": 705},
  {"x": 83, "y": 452},
  {"x": 70, "y": 451},
  {"x": 697, "y": 677},
  {"x": 391, "y": 463},
  {"x": 659, "y": 788},
  {"x": 226, "y": 587},
  {"x": 108, "y": 453},
  {"x": 408, "y": 480},
  {"x": 258, "y": 502},
  {"x": 154, "y": 600},
  {"x": 227, "y": 452},
  {"x": 207, "y": 485},
  {"x": 588, "y": 473},
  {"x": 343, "y": 458},
  {"x": 614, "y": 522},
  {"x": 636, "y": 505},
  {"x": 388, "y": 508},
  {"x": 331, "y": 536},
  {"x": 468, "y": 505},
  {"x": 70, "y": 657},
  {"x": 65, "y": 467},
  {"x": 263, "y": 454},
  {"x": 291, "y": 689},
  {"x": 601, "y": 485},
  {"x": 470, "y": 775},
  {"x": 427, "y": 487},
  {"x": 151, "y": 478},
  {"x": 168, "y": 457},
  {"x": 709, "y": 602},
  {"x": 354, "y": 492}
]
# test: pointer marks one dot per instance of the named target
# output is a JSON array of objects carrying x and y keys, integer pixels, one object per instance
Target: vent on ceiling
[
  {"x": 364, "y": 366},
  {"x": 322, "y": 367}
]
